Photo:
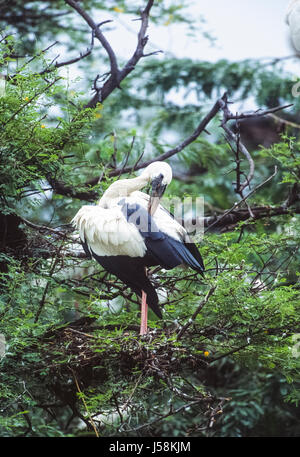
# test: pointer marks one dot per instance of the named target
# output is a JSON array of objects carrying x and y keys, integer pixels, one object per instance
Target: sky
[{"x": 243, "y": 29}]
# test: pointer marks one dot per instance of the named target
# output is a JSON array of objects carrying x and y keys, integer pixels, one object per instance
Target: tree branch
[
  {"x": 166, "y": 155},
  {"x": 235, "y": 138},
  {"x": 232, "y": 212},
  {"x": 229, "y": 219},
  {"x": 199, "y": 308},
  {"x": 64, "y": 189},
  {"x": 116, "y": 75},
  {"x": 112, "y": 83},
  {"x": 81, "y": 56},
  {"x": 99, "y": 35},
  {"x": 141, "y": 43}
]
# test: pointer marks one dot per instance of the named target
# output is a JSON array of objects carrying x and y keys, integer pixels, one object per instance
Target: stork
[{"x": 128, "y": 231}]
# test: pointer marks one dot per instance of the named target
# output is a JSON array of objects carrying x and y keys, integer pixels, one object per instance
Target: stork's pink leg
[{"x": 144, "y": 316}]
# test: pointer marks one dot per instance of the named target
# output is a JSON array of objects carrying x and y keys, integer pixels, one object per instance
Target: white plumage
[
  {"x": 129, "y": 230},
  {"x": 107, "y": 232},
  {"x": 293, "y": 20}
]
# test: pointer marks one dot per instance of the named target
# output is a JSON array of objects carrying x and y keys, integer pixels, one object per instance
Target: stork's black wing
[{"x": 162, "y": 249}]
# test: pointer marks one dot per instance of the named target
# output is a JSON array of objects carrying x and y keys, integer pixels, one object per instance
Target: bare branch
[
  {"x": 42, "y": 228},
  {"x": 235, "y": 138},
  {"x": 217, "y": 220},
  {"x": 199, "y": 308},
  {"x": 64, "y": 189},
  {"x": 116, "y": 75},
  {"x": 242, "y": 148},
  {"x": 81, "y": 56},
  {"x": 99, "y": 35},
  {"x": 142, "y": 41},
  {"x": 166, "y": 155},
  {"x": 258, "y": 113}
]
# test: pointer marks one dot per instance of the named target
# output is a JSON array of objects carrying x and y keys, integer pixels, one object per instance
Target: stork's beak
[{"x": 157, "y": 191}]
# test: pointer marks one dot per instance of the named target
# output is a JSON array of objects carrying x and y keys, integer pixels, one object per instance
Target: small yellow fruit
[
  {"x": 43, "y": 126},
  {"x": 169, "y": 20},
  {"x": 118, "y": 10},
  {"x": 98, "y": 108},
  {"x": 206, "y": 353}
]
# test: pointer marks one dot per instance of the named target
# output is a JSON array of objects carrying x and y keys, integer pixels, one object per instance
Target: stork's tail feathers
[{"x": 132, "y": 272}]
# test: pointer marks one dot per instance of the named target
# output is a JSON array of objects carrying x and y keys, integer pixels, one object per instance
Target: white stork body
[{"x": 125, "y": 235}]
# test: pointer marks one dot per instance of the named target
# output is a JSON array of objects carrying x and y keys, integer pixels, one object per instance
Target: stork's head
[{"x": 159, "y": 175}]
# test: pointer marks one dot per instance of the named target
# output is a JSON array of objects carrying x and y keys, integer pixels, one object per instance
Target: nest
[{"x": 83, "y": 347}]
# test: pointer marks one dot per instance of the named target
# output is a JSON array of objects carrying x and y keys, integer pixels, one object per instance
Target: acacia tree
[{"x": 74, "y": 357}]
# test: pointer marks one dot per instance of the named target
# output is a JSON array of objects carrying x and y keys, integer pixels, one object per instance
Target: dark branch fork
[
  {"x": 116, "y": 75},
  {"x": 98, "y": 34}
]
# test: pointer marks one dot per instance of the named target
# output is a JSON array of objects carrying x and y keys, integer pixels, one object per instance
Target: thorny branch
[{"x": 99, "y": 35}]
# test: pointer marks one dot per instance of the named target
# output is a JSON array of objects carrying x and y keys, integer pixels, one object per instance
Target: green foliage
[
  {"x": 245, "y": 327},
  {"x": 208, "y": 80},
  {"x": 286, "y": 153},
  {"x": 74, "y": 362}
]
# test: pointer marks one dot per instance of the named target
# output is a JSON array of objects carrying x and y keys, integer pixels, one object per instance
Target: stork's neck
[{"x": 123, "y": 188}]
